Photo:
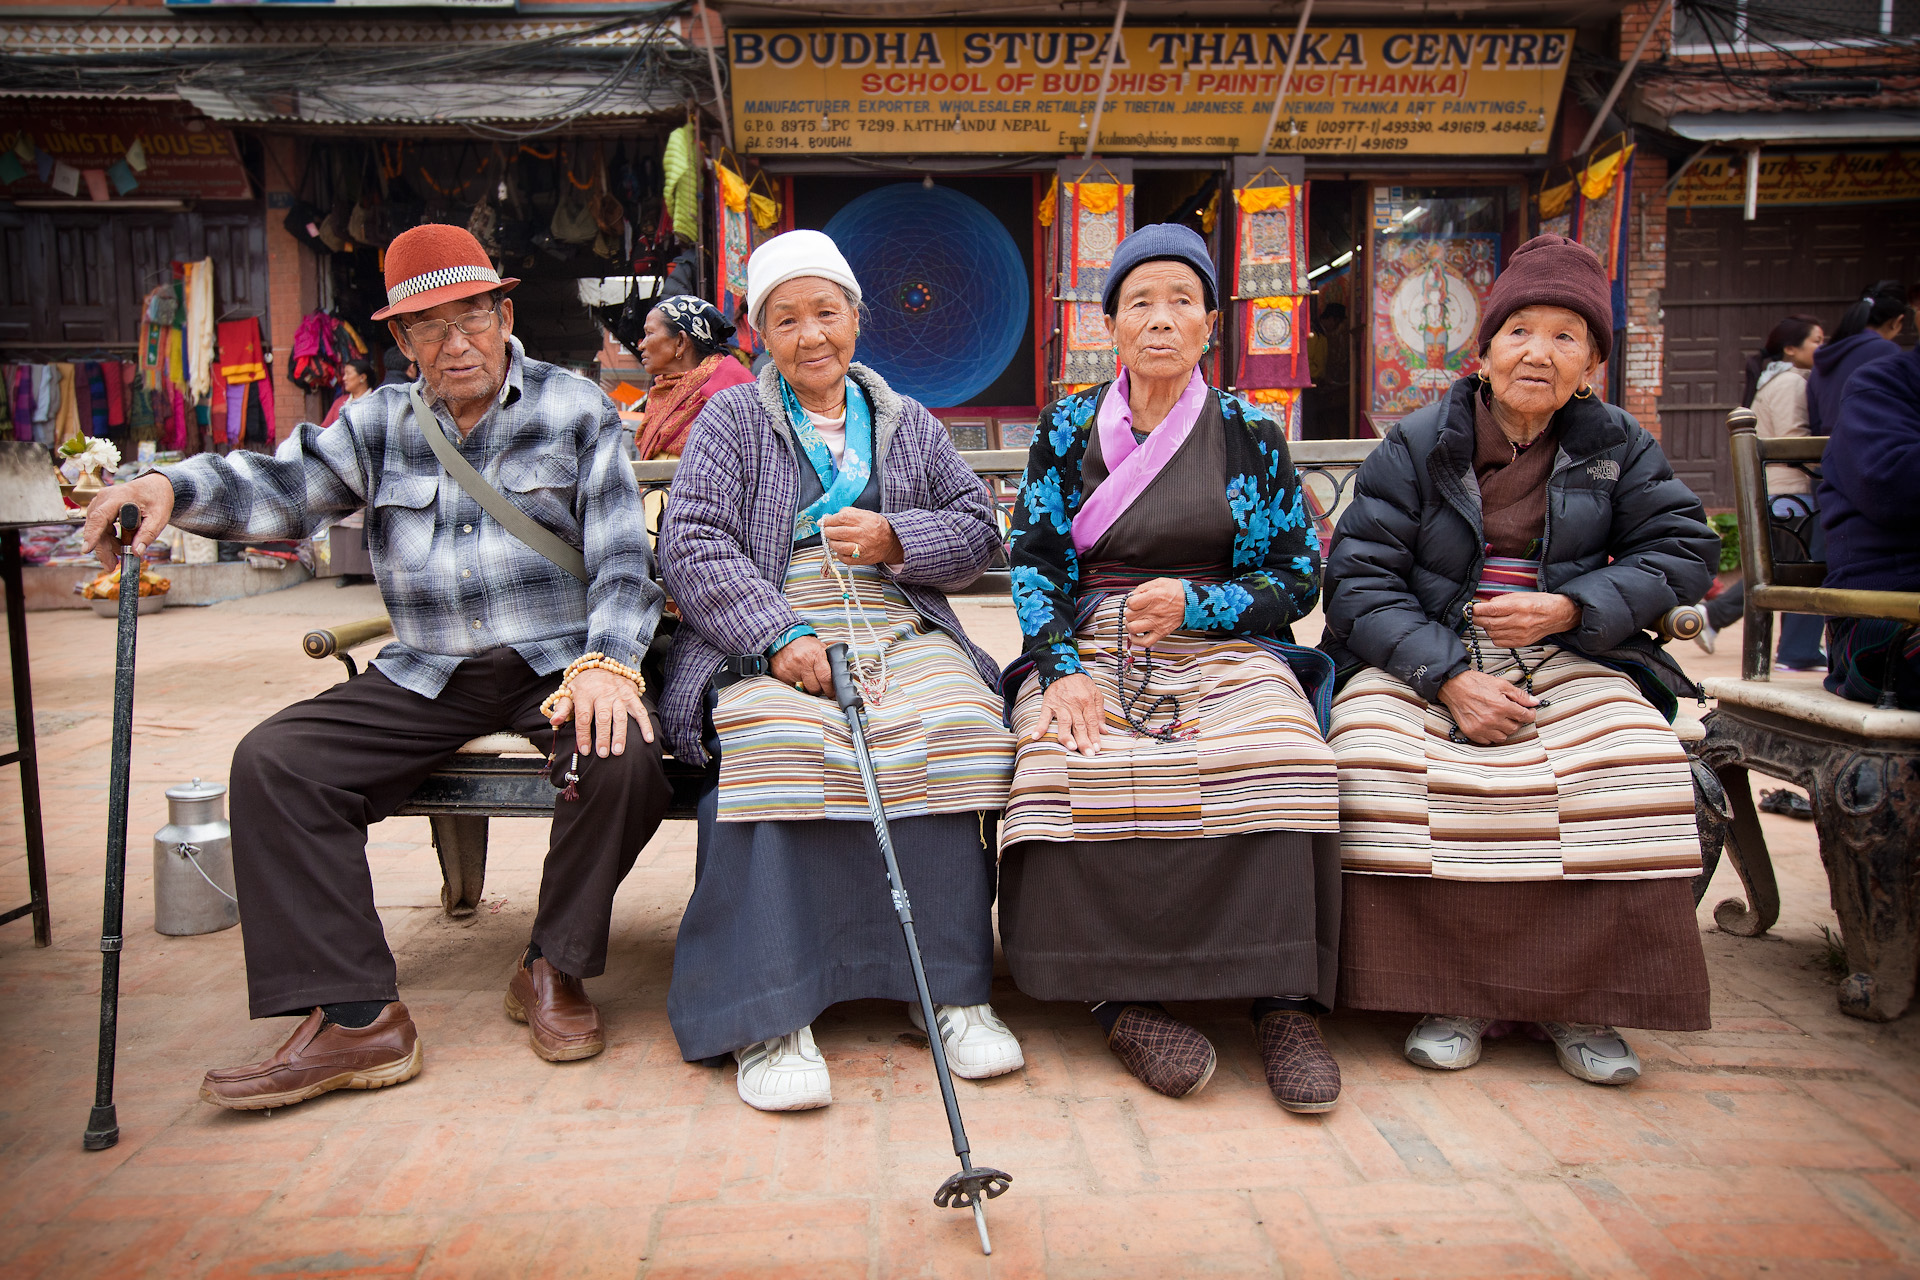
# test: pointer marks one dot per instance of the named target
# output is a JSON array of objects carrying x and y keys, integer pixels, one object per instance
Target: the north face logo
[{"x": 1605, "y": 469}]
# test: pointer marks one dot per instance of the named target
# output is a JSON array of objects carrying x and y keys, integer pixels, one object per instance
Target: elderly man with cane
[{"x": 508, "y": 540}]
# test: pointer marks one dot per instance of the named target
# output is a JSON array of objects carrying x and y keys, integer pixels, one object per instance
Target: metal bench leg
[
  {"x": 1747, "y": 846},
  {"x": 1865, "y": 806},
  {"x": 461, "y": 842}
]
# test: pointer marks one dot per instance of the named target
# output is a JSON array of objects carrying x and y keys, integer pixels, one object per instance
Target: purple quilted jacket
[{"x": 728, "y": 534}]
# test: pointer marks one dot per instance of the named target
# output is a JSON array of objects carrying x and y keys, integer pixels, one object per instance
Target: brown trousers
[{"x": 307, "y": 783}]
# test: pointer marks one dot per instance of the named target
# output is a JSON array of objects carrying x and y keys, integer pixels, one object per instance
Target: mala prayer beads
[{"x": 589, "y": 662}]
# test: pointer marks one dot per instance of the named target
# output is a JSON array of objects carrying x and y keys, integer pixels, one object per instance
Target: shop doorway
[{"x": 1336, "y": 250}]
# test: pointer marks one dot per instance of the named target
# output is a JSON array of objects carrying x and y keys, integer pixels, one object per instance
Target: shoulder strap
[{"x": 491, "y": 500}]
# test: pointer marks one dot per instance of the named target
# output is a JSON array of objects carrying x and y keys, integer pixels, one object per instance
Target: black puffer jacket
[{"x": 1624, "y": 538}]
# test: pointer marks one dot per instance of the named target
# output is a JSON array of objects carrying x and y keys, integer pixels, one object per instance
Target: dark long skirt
[
  {"x": 1621, "y": 952},
  {"x": 1204, "y": 919},
  {"x": 787, "y": 918}
]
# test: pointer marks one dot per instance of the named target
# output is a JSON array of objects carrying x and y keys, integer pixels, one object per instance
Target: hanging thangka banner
[
  {"x": 1273, "y": 344},
  {"x": 1282, "y": 404},
  {"x": 1272, "y": 241},
  {"x": 1094, "y": 217},
  {"x": 736, "y": 241},
  {"x": 1603, "y": 194},
  {"x": 1428, "y": 292},
  {"x": 1556, "y": 210}
]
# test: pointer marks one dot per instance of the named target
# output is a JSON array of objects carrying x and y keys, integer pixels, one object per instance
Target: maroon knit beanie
[{"x": 1556, "y": 272}]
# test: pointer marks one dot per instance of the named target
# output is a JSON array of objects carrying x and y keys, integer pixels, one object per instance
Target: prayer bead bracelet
[{"x": 590, "y": 662}]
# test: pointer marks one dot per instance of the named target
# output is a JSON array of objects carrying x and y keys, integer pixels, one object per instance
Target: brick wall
[
  {"x": 1646, "y": 279},
  {"x": 293, "y": 287}
]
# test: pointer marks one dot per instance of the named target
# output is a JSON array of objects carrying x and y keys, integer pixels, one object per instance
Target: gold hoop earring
[
  {"x": 1485, "y": 381},
  {"x": 1584, "y": 393}
]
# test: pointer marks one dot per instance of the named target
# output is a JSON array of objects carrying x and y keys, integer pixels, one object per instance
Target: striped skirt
[
  {"x": 936, "y": 736},
  {"x": 1597, "y": 788},
  {"x": 1249, "y": 757}
]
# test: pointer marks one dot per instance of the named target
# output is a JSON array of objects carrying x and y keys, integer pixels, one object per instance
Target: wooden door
[{"x": 1730, "y": 281}]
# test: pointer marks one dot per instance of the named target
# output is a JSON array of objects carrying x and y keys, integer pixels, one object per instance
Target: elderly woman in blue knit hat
[{"x": 1172, "y": 828}]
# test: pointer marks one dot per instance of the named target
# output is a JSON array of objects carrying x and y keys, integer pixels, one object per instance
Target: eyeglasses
[{"x": 434, "y": 332}]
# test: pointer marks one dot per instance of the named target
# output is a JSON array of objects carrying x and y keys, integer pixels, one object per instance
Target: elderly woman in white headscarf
[{"x": 819, "y": 506}]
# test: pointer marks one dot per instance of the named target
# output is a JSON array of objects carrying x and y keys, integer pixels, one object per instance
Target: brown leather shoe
[
  {"x": 1163, "y": 1052},
  {"x": 561, "y": 1022},
  {"x": 319, "y": 1057},
  {"x": 1300, "y": 1069}
]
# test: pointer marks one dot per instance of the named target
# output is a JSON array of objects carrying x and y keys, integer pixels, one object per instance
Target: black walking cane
[
  {"x": 103, "y": 1126},
  {"x": 971, "y": 1187}
]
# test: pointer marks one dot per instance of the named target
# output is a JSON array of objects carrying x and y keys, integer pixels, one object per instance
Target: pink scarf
[{"x": 1132, "y": 465}]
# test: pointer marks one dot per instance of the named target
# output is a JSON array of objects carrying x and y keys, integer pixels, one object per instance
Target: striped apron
[
  {"x": 936, "y": 738},
  {"x": 1597, "y": 788}
]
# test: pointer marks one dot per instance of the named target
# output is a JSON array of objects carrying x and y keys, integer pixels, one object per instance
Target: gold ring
[
  {"x": 856, "y": 551},
  {"x": 798, "y": 685}
]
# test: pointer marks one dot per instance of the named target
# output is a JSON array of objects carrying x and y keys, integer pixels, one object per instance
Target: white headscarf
[{"x": 790, "y": 256}]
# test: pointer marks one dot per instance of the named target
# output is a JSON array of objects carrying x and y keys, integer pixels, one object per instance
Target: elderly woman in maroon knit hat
[{"x": 1516, "y": 814}]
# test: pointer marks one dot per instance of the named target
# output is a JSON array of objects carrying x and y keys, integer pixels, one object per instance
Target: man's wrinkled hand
[
  {"x": 151, "y": 493},
  {"x": 599, "y": 707}
]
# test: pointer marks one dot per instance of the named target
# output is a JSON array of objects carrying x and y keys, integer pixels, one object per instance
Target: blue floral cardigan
[{"x": 1276, "y": 552}]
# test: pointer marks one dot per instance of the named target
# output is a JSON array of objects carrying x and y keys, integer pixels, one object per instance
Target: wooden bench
[
  {"x": 503, "y": 776},
  {"x": 1857, "y": 762}
]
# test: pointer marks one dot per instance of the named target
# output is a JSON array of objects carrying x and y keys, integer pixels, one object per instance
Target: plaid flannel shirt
[{"x": 455, "y": 582}]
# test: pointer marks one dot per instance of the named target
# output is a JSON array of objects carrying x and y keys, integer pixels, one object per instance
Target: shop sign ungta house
[
  {"x": 186, "y": 156},
  {"x": 1358, "y": 91}
]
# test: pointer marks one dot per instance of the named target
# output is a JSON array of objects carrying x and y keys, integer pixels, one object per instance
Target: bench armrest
[
  {"x": 1840, "y": 602},
  {"x": 329, "y": 641}
]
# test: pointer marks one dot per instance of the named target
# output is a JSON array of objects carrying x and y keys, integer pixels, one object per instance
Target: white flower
[{"x": 100, "y": 453}]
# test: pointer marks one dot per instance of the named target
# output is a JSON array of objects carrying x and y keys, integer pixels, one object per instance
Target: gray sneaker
[
  {"x": 1446, "y": 1043},
  {"x": 1596, "y": 1054}
]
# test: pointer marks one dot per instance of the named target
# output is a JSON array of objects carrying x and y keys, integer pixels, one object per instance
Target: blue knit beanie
[{"x": 1161, "y": 242}]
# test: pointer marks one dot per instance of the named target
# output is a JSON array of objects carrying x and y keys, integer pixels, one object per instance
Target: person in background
[
  {"x": 399, "y": 370},
  {"x": 685, "y": 351},
  {"x": 356, "y": 380},
  {"x": 1779, "y": 400},
  {"x": 1866, "y": 333},
  {"x": 1516, "y": 813},
  {"x": 1872, "y": 518}
]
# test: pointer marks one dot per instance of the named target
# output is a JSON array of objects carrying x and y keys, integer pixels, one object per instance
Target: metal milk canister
[{"x": 193, "y": 863}]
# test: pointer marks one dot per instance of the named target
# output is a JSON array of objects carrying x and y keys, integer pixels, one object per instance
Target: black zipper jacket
[{"x": 1624, "y": 538}]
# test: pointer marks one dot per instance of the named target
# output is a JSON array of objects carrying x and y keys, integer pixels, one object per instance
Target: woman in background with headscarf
[{"x": 685, "y": 351}]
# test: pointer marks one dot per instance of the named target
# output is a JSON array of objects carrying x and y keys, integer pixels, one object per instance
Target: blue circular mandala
[{"x": 946, "y": 286}]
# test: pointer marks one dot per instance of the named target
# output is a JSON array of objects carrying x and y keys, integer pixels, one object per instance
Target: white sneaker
[
  {"x": 785, "y": 1073},
  {"x": 978, "y": 1044},
  {"x": 1708, "y": 637},
  {"x": 1596, "y": 1054},
  {"x": 1446, "y": 1043}
]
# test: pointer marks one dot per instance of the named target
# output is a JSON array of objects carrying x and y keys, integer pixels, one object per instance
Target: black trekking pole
[
  {"x": 103, "y": 1126},
  {"x": 970, "y": 1187}
]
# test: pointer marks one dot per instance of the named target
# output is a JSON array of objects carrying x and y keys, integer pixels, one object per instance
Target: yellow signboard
[
  {"x": 1787, "y": 177},
  {"x": 1354, "y": 91}
]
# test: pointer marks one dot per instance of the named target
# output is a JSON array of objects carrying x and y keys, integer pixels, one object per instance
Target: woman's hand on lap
[
  {"x": 1487, "y": 709},
  {"x": 867, "y": 531},
  {"x": 802, "y": 663},
  {"x": 1526, "y": 617},
  {"x": 1073, "y": 705},
  {"x": 1155, "y": 610}
]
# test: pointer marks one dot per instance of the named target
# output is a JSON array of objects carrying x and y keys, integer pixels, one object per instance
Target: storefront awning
[
  {"x": 505, "y": 98},
  {"x": 1798, "y": 126}
]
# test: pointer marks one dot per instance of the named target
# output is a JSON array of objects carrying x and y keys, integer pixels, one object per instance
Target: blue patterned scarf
[{"x": 843, "y": 484}]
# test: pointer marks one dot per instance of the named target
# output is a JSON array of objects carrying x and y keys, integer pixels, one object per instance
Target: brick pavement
[{"x": 1783, "y": 1140}]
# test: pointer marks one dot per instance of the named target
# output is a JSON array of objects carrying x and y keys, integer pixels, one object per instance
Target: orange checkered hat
[{"x": 436, "y": 263}]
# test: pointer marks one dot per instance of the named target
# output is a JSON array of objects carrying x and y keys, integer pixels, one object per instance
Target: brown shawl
[
  {"x": 1513, "y": 484},
  {"x": 673, "y": 402}
]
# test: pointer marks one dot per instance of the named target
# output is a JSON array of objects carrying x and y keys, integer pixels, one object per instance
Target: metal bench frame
[{"x": 1864, "y": 790}]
